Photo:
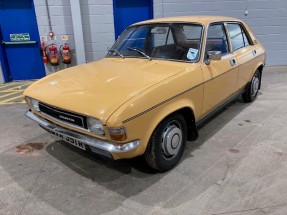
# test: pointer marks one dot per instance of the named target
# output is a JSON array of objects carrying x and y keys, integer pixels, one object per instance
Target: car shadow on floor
[
  {"x": 127, "y": 177},
  {"x": 215, "y": 123}
]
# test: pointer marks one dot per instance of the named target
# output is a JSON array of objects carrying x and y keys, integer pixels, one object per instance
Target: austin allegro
[{"x": 160, "y": 80}]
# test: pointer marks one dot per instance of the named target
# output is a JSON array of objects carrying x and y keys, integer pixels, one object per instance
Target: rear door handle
[{"x": 232, "y": 62}]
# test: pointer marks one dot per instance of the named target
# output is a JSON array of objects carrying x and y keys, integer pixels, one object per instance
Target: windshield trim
[{"x": 164, "y": 59}]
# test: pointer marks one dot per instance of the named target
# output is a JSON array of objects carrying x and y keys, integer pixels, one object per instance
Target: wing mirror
[{"x": 213, "y": 55}]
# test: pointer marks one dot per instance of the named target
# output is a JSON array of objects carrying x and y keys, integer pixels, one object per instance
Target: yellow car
[{"x": 160, "y": 80}]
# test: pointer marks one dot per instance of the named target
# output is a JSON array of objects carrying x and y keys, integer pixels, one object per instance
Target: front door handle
[
  {"x": 232, "y": 62},
  {"x": 254, "y": 52}
]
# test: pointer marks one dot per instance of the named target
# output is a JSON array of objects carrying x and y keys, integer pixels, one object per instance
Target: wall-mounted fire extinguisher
[
  {"x": 43, "y": 53},
  {"x": 65, "y": 53},
  {"x": 53, "y": 54}
]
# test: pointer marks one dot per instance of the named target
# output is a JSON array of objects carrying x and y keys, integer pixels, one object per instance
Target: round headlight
[
  {"x": 95, "y": 126},
  {"x": 34, "y": 104}
]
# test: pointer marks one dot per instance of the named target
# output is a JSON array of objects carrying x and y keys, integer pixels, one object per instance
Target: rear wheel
[
  {"x": 250, "y": 94},
  {"x": 167, "y": 143}
]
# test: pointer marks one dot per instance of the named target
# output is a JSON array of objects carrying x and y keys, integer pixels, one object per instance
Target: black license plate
[{"x": 67, "y": 138}]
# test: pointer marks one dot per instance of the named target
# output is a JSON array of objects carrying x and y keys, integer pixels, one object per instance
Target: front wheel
[
  {"x": 250, "y": 94},
  {"x": 167, "y": 143}
]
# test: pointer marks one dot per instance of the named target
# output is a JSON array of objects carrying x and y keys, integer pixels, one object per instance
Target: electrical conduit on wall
[{"x": 78, "y": 31}]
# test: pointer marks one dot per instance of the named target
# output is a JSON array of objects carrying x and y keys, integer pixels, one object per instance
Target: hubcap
[
  {"x": 171, "y": 140},
  {"x": 254, "y": 85}
]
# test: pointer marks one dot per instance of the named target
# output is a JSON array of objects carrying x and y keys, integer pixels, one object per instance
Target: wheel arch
[
  {"x": 188, "y": 114},
  {"x": 258, "y": 67}
]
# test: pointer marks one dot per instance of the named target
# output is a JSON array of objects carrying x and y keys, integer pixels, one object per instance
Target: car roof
[{"x": 205, "y": 20}]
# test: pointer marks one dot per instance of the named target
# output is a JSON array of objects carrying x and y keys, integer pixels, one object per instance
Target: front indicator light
[{"x": 118, "y": 134}]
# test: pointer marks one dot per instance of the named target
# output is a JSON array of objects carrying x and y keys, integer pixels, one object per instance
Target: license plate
[{"x": 68, "y": 139}]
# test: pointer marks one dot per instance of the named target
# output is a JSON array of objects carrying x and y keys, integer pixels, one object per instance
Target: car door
[
  {"x": 219, "y": 75},
  {"x": 245, "y": 53}
]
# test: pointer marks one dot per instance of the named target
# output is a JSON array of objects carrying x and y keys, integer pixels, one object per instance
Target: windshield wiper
[
  {"x": 117, "y": 52},
  {"x": 141, "y": 52}
]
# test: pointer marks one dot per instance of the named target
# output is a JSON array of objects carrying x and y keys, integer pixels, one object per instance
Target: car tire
[
  {"x": 250, "y": 94},
  {"x": 167, "y": 143}
]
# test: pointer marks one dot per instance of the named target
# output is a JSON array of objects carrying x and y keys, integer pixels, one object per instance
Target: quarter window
[
  {"x": 238, "y": 36},
  {"x": 246, "y": 41},
  {"x": 216, "y": 39}
]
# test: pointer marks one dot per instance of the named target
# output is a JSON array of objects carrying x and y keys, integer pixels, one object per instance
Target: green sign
[{"x": 20, "y": 37}]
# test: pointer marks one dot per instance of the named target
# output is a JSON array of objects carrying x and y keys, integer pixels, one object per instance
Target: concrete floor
[{"x": 237, "y": 166}]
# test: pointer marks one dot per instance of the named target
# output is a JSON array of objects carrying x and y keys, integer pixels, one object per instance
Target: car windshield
[{"x": 171, "y": 41}]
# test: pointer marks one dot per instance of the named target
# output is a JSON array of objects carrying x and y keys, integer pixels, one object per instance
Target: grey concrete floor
[{"x": 237, "y": 166}]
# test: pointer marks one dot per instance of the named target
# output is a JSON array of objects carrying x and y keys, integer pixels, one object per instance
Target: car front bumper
[{"x": 96, "y": 145}]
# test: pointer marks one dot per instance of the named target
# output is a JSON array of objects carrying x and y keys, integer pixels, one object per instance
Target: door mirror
[{"x": 214, "y": 55}]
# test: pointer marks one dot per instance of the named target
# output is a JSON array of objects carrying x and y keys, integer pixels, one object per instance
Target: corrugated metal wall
[{"x": 267, "y": 18}]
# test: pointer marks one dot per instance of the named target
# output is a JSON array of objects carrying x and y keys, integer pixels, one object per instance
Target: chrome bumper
[{"x": 95, "y": 144}]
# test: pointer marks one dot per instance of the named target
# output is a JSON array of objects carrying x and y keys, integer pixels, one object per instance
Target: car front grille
[{"x": 64, "y": 116}]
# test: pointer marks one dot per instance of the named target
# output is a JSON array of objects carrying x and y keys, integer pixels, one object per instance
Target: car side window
[
  {"x": 238, "y": 36},
  {"x": 216, "y": 39}
]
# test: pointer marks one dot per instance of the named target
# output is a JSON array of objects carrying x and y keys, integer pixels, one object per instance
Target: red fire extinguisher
[
  {"x": 43, "y": 53},
  {"x": 65, "y": 52},
  {"x": 53, "y": 54}
]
